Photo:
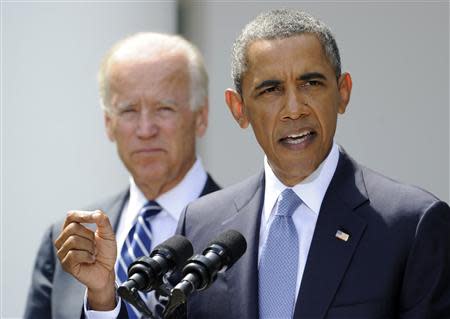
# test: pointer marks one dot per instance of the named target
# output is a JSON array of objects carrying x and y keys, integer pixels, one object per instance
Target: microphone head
[
  {"x": 177, "y": 248},
  {"x": 233, "y": 243}
]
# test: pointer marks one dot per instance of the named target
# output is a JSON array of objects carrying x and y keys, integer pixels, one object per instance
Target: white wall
[
  {"x": 55, "y": 155},
  {"x": 397, "y": 121}
]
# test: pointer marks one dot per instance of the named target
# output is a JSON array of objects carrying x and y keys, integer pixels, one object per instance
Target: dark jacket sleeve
[
  {"x": 426, "y": 284},
  {"x": 38, "y": 305}
]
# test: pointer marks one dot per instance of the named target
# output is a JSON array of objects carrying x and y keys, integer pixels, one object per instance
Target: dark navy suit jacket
[{"x": 396, "y": 263}]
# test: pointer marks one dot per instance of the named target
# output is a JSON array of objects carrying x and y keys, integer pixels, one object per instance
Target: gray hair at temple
[
  {"x": 279, "y": 24},
  {"x": 149, "y": 44}
]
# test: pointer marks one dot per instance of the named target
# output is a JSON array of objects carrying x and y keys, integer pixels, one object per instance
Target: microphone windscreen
[
  {"x": 233, "y": 242},
  {"x": 179, "y": 247}
]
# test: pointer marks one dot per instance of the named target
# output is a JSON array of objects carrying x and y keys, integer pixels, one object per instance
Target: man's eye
[
  {"x": 312, "y": 83},
  {"x": 166, "y": 109},
  {"x": 271, "y": 89},
  {"x": 128, "y": 111}
]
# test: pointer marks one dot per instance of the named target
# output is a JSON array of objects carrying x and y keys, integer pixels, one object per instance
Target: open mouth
[{"x": 294, "y": 139}]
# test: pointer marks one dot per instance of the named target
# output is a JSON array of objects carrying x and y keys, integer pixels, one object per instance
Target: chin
[
  {"x": 152, "y": 172},
  {"x": 302, "y": 171}
]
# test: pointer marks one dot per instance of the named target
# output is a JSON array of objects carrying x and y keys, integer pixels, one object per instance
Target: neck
[{"x": 155, "y": 188}]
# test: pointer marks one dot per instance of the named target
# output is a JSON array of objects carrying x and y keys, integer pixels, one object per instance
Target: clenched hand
[{"x": 90, "y": 256}]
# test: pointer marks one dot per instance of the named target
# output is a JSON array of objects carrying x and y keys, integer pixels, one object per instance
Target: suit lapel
[
  {"x": 114, "y": 210},
  {"x": 329, "y": 256},
  {"x": 242, "y": 279},
  {"x": 210, "y": 186}
]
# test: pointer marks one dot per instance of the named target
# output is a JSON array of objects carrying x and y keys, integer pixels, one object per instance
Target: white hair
[{"x": 147, "y": 44}]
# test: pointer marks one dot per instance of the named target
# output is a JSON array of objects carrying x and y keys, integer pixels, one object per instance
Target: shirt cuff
[{"x": 94, "y": 314}]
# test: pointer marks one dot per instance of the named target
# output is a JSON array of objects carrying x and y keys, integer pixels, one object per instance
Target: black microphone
[
  {"x": 201, "y": 270},
  {"x": 146, "y": 273}
]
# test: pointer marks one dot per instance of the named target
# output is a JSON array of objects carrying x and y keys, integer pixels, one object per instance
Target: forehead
[
  {"x": 302, "y": 53},
  {"x": 162, "y": 73}
]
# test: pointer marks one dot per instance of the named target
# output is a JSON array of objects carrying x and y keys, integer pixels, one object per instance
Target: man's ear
[
  {"x": 201, "y": 119},
  {"x": 236, "y": 106},
  {"x": 108, "y": 125},
  {"x": 345, "y": 90}
]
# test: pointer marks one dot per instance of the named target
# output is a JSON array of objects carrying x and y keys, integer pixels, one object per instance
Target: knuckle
[
  {"x": 71, "y": 242},
  {"x": 57, "y": 243},
  {"x": 66, "y": 262},
  {"x": 101, "y": 214},
  {"x": 71, "y": 257},
  {"x": 104, "y": 219},
  {"x": 70, "y": 214},
  {"x": 60, "y": 256},
  {"x": 72, "y": 227}
]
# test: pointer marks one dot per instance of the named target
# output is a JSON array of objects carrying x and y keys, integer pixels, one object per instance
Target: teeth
[
  {"x": 299, "y": 135},
  {"x": 297, "y": 138}
]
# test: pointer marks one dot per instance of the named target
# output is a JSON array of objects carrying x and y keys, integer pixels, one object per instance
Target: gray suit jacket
[
  {"x": 56, "y": 294},
  {"x": 396, "y": 263}
]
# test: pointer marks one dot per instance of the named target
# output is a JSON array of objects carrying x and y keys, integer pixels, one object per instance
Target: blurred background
[{"x": 54, "y": 152}]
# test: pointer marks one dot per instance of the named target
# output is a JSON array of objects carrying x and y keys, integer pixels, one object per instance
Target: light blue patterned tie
[
  {"x": 279, "y": 262},
  {"x": 137, "y": 244}
]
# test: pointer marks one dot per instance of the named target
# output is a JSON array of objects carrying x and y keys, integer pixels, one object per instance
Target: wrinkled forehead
[
  {"x": 153, "y": 79},
  {"x": 138, "y": 71},
  {"x": 151, "y": 62}
]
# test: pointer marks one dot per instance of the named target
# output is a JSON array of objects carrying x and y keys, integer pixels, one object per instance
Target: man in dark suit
[
  {"x": 327, "y": 237},
  {"x": 154, "y": 92}
]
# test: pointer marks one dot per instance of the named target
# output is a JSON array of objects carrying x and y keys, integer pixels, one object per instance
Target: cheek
[
  {"x": 264, "y": 128},
  {"x": 179, "y": 136},
  {"x": 123, "y": 132},
  {"x": 328, "y": 120},
  {"x": 125, "y": 139},
  {"x": 326, "y": 111},
  {"x": 264, "y": 117}
]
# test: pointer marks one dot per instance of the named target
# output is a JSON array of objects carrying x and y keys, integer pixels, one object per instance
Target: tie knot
[
  {"x": 288, "y": 203},
  {"x": 151, "y": 208}
]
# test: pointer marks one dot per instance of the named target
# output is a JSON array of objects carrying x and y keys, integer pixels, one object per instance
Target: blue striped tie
[
  {"x": 279, "y": 261},
  {"x": 137, "y": 244}
]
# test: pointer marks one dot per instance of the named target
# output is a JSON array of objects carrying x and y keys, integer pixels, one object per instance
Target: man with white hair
[{"x": 154, "y": 93}]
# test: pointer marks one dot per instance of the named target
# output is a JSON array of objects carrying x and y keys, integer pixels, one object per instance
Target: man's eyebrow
[
  {"x": 267, "y": 83},
  {"x": 168, "y": 101},
  {"x": 311, "y": 75},
  {"x": 123, "y": 104}
]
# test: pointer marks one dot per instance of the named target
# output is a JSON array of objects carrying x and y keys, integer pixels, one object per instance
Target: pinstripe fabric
[{"x": 137, "y": 244}]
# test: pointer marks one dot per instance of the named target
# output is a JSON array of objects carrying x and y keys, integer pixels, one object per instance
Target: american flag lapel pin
[{"x": 342, "y": 235}]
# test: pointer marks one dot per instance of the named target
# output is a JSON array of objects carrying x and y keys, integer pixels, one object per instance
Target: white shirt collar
[
  {"x": 173, "y": 201},
  {"x": 311, "y": 190}
]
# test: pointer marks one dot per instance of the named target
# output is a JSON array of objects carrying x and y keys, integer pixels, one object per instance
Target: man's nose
[
  {"x": 147, "y": 125},
  {"x": 296, "y": 105}
]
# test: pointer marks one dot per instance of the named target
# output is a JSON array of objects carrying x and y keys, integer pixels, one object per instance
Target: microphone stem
[{"x": 188, "y": 284}]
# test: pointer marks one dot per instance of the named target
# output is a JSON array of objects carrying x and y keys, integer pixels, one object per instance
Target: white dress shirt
[
  {"x": 163, "y": 224},
  {"x": 311, "y": 191}
]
